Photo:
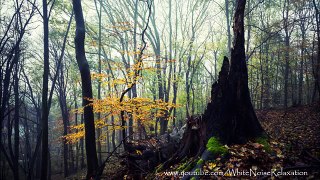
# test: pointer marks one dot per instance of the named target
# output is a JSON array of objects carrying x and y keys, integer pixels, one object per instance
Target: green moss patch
[
  {"x": 264, "y": 141},
  {"x": 215, "y": 147},
  {"x": 201, "y": 161}
]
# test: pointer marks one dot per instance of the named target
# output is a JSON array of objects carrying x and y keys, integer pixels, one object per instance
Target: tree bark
[
  {"x": 91, "y": 152},
  {"x": 228, "y": 26},
  {"x": 45, "y": 109},
  {"x": 157, "y": 51},
  {"x": 65, "y": 118},
  {"x": 134, "y": 88},
  {"x": 82, "y": 165},
  {"x": 287, "y": 55},
  {"x": 16, "y": 120},
  {"x": 317, "y": 68},
  {"x": 235, "y": 120},
  {"x": 76, "y": 123},
  {"x": 99, "y": 12}
]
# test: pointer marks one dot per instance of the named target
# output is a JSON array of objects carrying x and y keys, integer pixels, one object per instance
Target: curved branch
[{"x": 137, "y": 72}]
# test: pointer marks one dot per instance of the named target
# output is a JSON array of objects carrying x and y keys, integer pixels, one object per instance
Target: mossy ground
[{"x": 265, "y": 142}]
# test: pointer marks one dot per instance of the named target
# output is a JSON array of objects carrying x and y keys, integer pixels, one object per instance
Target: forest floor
[{"x": 293, "y": 146}]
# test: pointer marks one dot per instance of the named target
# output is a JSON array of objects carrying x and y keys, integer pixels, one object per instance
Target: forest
[{"x": 159, "y": 89}]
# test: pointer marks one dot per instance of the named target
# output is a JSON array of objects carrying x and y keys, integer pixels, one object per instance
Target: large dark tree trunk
[
  {"x": 230, "y": 115},
  {"x": 45, "y": 108},
  {"x": 90, "y": 140}
]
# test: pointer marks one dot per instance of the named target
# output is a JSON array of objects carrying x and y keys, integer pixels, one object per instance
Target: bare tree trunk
[
  {"x": 157, "y": 51},
  {"x": 300, "y": 95},
  {"x": 65, "y": 116},
  {"x": 267, "y": 80},
  {"x": 99, "y": 12},
  {"x": 49, "y": 165},
  {"x": 262, "y": 80},
  {"x": 307, "y": 82},
  {"x": 287, "y": 56},
  {"x": 113, "y": 138},
  {"x": 168, "y": 113},
  {"x": 82, "y": 165},
  {"x": 175, "y": 75},
  {"x": 188, "y": 74},
  {"x": 76, "y": 123},
  {"x": 228, "y": 26},
  {"x": 134, "y": 88},
  {"x": 16, "y": 120},
  {"x": 71, "y": 161},
  {"x": 249, "y": 28},
  {"x": 65, "y": 146},
  {"x": 91, "y": 152},
  {"x": 45, "y": 109},
  {"x": 317, "y": 68}
]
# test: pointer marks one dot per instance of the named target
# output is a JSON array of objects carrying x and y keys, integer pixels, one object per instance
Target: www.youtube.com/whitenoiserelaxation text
[{"x": 236, "y": 172}]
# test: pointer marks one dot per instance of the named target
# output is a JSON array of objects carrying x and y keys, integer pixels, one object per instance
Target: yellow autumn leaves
[
  {"x": 139, "y": 108},
  {"x": 144, "y": 110}
]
